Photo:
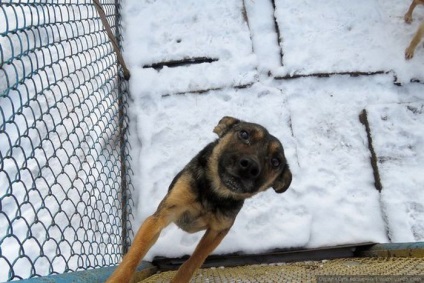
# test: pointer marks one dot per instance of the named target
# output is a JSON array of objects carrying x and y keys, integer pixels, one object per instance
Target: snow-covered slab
[
  {"x": 169, "y": 31},
  {"x": 260, "y": 15},
  {"x": 397, "y": 132},
  {"x": 336, "y": 36},
  {"x": 335, "y": 183}
]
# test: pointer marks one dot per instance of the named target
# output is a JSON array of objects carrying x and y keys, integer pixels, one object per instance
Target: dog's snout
[{"x": 249, "y": 167}]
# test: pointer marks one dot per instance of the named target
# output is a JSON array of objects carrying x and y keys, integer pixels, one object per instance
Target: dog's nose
[{"x": 249, "y": 167}]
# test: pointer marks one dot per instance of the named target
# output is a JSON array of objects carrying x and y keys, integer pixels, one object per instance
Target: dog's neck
[{"x": 205, "y": 185}]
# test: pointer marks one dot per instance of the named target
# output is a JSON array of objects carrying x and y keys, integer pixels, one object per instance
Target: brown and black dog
[
  {"x": 209, "y": 192},
  {"x": 409, "y": 52}
]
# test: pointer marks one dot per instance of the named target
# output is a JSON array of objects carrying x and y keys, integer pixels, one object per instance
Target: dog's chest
[{"x": 193, "y": 221}]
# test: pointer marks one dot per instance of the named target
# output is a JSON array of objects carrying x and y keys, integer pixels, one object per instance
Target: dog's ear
[
  {"x": 224, "y": 125},
  {"x": 283, "y": 181}
]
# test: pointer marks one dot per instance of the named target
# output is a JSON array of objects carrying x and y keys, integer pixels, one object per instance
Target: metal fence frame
[{"x": 65, "y": 187}]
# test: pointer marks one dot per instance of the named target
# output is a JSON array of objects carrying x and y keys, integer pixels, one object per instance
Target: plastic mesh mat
[{"x": 391, "y": 269}]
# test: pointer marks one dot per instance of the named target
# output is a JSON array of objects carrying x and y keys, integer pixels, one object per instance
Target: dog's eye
[
  {"x": 275, "y": 162},
  {"x": 244, "y": 135}
]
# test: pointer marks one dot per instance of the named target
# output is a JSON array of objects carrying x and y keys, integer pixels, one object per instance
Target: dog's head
[{"x": 248, "y": 159}]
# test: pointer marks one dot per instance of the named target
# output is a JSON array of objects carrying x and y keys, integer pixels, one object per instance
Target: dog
[
  {"x": 210, "y": 191},
  {"x": 409, "y": 52}
]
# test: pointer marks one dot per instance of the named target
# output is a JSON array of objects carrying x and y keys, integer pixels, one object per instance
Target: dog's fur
[
  {"x": 209, "y": 192},
  {"x": 409, "y": 52}
]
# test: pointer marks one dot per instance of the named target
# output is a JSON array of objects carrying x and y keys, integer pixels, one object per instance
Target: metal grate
[
  {"x": 65, "y": 192},
  {"x": 338, "y": 270}
]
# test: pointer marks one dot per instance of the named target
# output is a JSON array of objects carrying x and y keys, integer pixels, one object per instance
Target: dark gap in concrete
[
  {"x": 181, "y": 63},
  {"x": 377, "y": 181},
  {"x": 246, "y": 19},
  {"x": 201, "y": 91},
  {"x": 277, "y": 30},
  {"x": 352, "y": 74},
  {"x": 326, "y": 75},
  {"x": 416, "y": 81}
]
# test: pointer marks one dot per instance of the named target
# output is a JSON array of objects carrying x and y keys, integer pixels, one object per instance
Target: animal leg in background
[
  {"x": 409, "y": 52},
  {"x": 408, "y": 15}
]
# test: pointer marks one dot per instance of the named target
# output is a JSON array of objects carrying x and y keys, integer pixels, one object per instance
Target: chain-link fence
[{"x": 64, "y": 185}]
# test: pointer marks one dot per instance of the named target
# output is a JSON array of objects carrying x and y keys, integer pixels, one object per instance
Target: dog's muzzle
[
  {"x": 240, "y": 174},
  {"x": 248, "y": 168}
]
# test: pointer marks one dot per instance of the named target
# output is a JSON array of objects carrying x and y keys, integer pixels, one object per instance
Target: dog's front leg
[
  {"x": 143, "y": 241},
  {"x": 207, "y": 244}
]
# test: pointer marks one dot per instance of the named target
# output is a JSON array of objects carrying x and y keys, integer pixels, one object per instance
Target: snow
[
  {"x": 346, "y": 36},
  {"x": 400, "y": 148},
  {"x": 211, "y": 29},
  {"x": 332, "y": 199}
]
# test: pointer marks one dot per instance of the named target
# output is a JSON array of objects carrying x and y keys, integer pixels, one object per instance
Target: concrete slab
[
  {"x": 187, "y": 50},
  {"x": 397, "y": 138}
]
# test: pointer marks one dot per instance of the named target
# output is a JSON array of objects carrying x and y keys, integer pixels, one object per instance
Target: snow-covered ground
[
  {"x": 332, "y": 199},
  {"x": 398, "y": 140},
  {"x": 342, "y": 36}
]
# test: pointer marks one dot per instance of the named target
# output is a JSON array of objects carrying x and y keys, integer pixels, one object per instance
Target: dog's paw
[
  {"x": 408, "y": 18},
  {"x": 409, "y": 53}
]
